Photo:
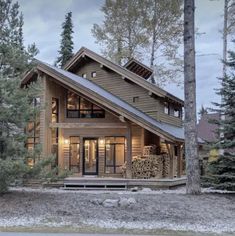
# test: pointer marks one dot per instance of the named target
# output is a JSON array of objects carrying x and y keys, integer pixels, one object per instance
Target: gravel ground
[{"x": 147, "y": 210}]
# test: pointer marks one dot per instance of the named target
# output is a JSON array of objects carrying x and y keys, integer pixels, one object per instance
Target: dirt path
[{"x": 149, "y": 211}]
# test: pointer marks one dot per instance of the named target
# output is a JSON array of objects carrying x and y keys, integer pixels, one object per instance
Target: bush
[{"x": 10, "y": 170}]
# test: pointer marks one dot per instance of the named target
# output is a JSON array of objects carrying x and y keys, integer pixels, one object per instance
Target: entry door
[{"x": 90, "y": 156}]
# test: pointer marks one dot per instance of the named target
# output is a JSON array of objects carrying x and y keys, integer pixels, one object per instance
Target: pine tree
[
  {"x": 203, "y": 111},
  {"x": 221, "y": 172},
  {"x": 14, "y": 102},
  {"x": 66, "y": 45}
]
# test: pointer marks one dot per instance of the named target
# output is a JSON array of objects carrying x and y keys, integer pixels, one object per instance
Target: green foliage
[
  {"x": 221, "y": 172},
  {"x": 15, "y": 106},
  {"x": 66, "y": 45}
]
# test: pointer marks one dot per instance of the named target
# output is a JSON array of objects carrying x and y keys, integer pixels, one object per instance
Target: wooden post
[
  {"x": 179, "y": 161},
  {"x": 81, "y": 155},
  {"x": 171, "y": 175},
  {"x": 129, "y": 153}
]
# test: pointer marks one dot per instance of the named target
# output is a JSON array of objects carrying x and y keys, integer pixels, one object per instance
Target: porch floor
[{"x": 120, "y": 183}]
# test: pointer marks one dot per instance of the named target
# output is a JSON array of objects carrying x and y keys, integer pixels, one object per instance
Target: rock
[
  {"x": 110, "y": 203},
  {"x": 96, "y": 201},
  {"x": 146, "y": 190},
  {"x": 127, "y": 202},
  {"x": 135, "y": 189}
]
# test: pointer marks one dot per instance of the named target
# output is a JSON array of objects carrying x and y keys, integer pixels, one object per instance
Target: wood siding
[{"x": 120, "y": 87}]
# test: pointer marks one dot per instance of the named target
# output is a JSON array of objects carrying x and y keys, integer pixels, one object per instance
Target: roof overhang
[{"x": 61, "y": 76}]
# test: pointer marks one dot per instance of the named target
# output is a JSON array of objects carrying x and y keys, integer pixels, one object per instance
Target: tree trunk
[
  {"x": 191, "y": 145},
  {"x": 225, "y": 34},
  {"x": 154, "y": 22}
]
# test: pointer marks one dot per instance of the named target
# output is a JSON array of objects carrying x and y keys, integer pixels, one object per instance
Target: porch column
[
  {"x": 179, "y": 161},
  {"x": 81, "y": 156},
  {"x": 129, "y": 152},
  {"x": 170, "y": 153}
]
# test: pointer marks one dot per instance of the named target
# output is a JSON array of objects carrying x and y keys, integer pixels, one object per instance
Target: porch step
[{"x": 93, "y": 184}]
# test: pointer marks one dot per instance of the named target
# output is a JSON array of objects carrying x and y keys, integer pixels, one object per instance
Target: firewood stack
[
  {"x": 148, "y": 167},
  {"x": 166, "y": 165},
  {"x": 149, "y": 150}
]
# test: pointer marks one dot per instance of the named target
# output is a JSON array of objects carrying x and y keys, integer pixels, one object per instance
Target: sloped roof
[
  {"x": 111, "y": 101},
  {"x": 138, "y": 68},
  {"x": 122, "y": 71},
  {"x": 206, "y": 130}
]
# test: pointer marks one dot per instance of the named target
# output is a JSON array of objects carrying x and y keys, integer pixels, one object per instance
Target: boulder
[
  {"x": 127, "y": 202},
  {"x": 110, "y": 203}
]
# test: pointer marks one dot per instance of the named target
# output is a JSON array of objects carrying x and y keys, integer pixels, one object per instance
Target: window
[
  {"x": 54, "y": 110},
  {"x": 166, "y": 108},
  {"x": 177, "y": 112},
  {"x": 74, "y": 157},
  {"x": 114, "y": 154},
  {"x": 93, "y": 74},
  {"x": 84, "y": 75},
  {"x": 33, "y": 133},
  {"x": 78, "y": 107},
  {"x": 135, "y": 99}
]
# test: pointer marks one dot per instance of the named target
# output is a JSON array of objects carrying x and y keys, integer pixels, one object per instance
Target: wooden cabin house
[{"x": 97, "y": 117}]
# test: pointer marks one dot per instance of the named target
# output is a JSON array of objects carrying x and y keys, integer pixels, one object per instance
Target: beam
[{"x": 88, "y": 125}]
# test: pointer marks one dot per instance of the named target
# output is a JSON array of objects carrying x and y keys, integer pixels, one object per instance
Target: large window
[
  {"x": 78, "y": 107},
  {"x": 114, "y": 154},
  {"x": 74, "y": 156}
]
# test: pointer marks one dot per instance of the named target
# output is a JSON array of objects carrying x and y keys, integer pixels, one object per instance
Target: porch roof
[{"x": 110, "y": 101}]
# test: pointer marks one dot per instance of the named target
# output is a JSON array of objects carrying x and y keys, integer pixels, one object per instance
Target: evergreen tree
[
  {"x": 221, "y": 172},
  {"x": 14, "y": 102},
  {"x": 66, "y": 45},
  {"x": 203, "y": 111}
]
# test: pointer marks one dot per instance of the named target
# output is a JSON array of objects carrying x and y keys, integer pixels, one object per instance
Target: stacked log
[
  {"x": 149, "y": 150},
  {"x": 147, "y": 167},
  {"x": 166, "y": 165}
]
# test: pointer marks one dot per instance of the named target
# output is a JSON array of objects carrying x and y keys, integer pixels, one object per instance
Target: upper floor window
[
  {"x": 78, "y": 107},
  {"x": 93, "y": 74},
  {"x": 166, "y": 108},
  {"x": 135, "y": 99},
  {"x": 55, "y": 110},
  {"x": 84, "y": 75},
  {"x": 177, "y": 112}
]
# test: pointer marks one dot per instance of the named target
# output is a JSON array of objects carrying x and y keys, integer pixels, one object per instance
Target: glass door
[{"x": 90, "y": 156}]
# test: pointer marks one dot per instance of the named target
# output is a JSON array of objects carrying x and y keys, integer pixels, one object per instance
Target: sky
[{"x": 43, "y": 21}]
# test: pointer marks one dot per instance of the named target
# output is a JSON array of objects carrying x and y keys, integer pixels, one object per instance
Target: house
[
  {"x": 207, "y": 131},
  {"x": 97, "y": 117}
]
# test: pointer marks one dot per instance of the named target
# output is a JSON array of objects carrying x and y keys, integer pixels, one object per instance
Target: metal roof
[{"x": 174, "y": 131}]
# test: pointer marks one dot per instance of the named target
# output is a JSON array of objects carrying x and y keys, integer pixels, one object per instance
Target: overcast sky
[{"x": 43, "y": 21}]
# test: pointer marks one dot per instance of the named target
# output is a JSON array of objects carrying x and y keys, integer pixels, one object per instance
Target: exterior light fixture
[
  {"x": 66, "y": 141},
  {"x": 101, "y": 141}
]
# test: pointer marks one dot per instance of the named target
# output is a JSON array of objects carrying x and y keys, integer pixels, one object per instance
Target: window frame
[
  {"x": 92, "y": 112},
  {"x": 114, "y": 166},
  {"x": 135, "y": 99},
  {"x": 93, "y": 74}
]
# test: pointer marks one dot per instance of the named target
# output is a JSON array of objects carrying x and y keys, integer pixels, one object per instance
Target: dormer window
[
  {"x": 84, "y": 75},
  {"x": 166, "y": 108},
  {"x": 93, "y": 74}
]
